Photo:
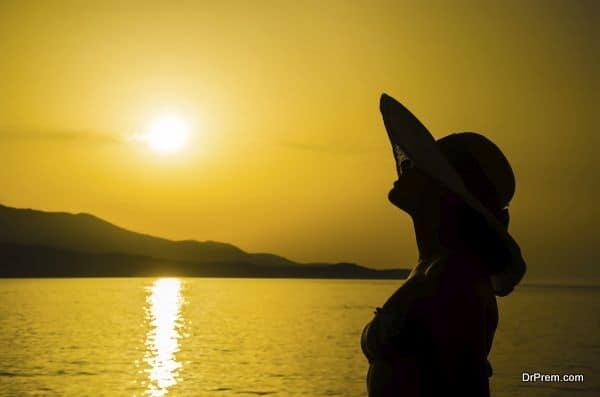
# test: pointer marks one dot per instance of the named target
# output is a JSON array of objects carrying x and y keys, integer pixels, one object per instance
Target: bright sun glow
[{"x": 167, "y": 134}]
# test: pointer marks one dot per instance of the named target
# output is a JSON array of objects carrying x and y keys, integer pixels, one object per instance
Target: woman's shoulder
[{"x": 452, "y": 279}]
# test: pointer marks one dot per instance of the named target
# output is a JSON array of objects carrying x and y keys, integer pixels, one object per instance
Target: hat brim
[{"x": 406, "y": 132}]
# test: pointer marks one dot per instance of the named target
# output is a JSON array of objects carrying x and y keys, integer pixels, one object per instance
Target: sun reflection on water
[{"x": 163, "y": 311}]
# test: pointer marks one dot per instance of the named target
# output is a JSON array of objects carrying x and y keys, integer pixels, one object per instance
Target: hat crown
[{"x": 482, "y": 166}]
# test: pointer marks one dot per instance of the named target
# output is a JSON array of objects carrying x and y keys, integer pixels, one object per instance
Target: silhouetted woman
[{"x": 433, "y": 335}]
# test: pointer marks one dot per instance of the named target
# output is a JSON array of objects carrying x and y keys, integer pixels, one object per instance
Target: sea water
[{"x": 280, "y": 337}]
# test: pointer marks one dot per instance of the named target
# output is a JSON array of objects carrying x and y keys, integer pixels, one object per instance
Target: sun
[{"x": 167, "y": 134}]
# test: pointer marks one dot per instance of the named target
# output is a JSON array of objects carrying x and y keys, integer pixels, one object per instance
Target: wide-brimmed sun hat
[{"x": 485, "y": 182}]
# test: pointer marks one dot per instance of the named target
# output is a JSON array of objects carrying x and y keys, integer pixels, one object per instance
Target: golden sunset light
[{"x": 162, "y": 340}]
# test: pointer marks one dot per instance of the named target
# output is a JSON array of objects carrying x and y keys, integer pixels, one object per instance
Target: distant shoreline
[
  {"x": 227, "y": 277},
  {"x": 26, "y": 261},
  {"x": 39, "y": 244}
]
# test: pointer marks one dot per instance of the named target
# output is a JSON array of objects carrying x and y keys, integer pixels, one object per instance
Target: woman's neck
[
  {"x": 428, "y": 242},
  {"x": 436, "y": 229}
]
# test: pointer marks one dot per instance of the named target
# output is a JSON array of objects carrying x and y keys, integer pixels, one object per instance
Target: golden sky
[{"x": 287, "y": 151}]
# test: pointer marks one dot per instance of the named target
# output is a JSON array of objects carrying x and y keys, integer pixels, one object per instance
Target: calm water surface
[{"x": 284, "y": 337}]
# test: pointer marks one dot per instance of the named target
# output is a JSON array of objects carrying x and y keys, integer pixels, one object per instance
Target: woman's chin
[{"x": 404, "y": 203}]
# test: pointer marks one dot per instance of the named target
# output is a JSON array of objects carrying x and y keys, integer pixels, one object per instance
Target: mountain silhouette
[{"x": 58, "y": 244}]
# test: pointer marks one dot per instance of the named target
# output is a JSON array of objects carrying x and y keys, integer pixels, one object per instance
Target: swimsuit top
[{"x": 457, "y": 307}]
